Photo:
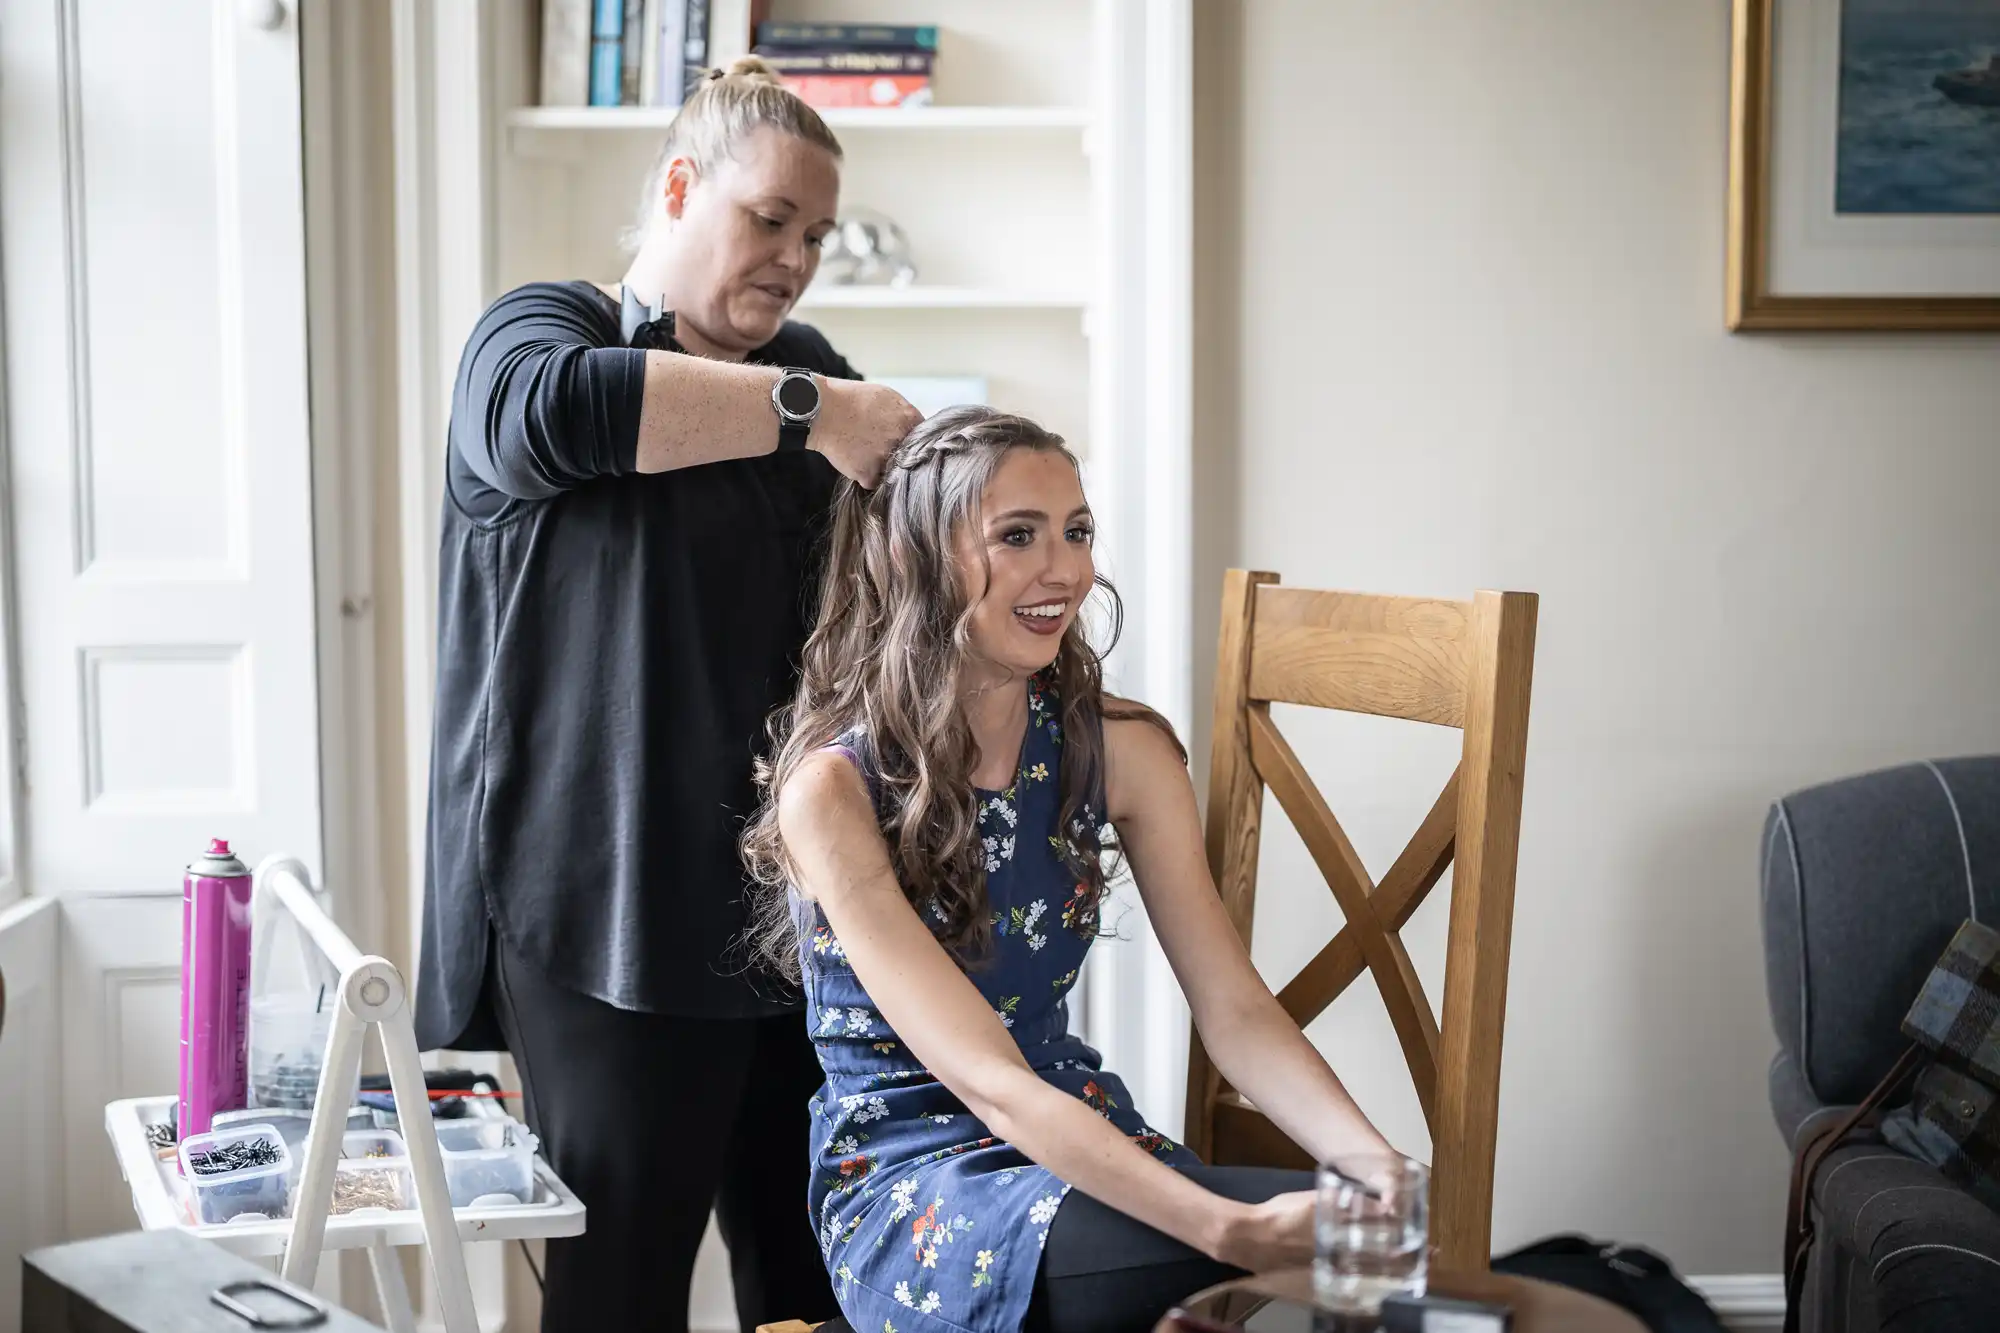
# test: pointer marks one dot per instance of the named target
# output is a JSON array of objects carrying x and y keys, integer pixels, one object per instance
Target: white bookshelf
[
  {"x": 840, "y": 119},
  {"x": 1047, "y": 197},
  {"x": 832, "y": 296}
]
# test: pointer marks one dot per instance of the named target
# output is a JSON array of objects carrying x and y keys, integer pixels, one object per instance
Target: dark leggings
[
  {"x": 653, "y": 1120},
  {"x": 1104, "y": 1272}
]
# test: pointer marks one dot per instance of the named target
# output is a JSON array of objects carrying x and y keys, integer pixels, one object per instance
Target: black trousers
[
  {"x": 653, "y": 1120},
  {"x": 1105, "y": 1272}
]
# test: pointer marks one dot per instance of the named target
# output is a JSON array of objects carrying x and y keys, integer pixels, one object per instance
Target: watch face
[{"x": 798, "y": 395}]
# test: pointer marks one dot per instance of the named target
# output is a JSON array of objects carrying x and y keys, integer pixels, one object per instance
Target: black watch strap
[{"x": 792, "y": 435}]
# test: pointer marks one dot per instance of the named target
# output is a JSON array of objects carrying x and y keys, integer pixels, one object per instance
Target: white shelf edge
[
  {"x": 934, "y": 298},
  {"x": 838, "y": 118}
]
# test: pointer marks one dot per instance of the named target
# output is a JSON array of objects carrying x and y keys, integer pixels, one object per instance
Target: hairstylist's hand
[
  {"x": 859, "y": 426},
  {"x": 1276, "y": 1234}
]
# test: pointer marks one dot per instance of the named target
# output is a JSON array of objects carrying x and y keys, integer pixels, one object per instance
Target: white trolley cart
[{"x": 371, "y": 993}]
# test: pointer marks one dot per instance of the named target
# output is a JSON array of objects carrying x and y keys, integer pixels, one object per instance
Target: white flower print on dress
[
  {"x": 864, "y": 1108},
  {"x": 903, "y": 1295},
  {"x": 1035, "y": 911},
  {"x": 859, "y": 1024},
  {"x": 932, "y": 1302},
  {"x": 943, "y": 1118},
  {"x": 904, "y": 1193},
  {"x": 1044, "y": 1210},
  {"x": 847, "y": 1146}
]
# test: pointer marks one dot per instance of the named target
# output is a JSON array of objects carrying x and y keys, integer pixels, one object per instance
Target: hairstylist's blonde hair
[{"x": 728, "y": 105}]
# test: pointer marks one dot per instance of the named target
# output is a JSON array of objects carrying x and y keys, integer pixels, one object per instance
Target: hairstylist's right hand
[{"x": 859, "y": 426}]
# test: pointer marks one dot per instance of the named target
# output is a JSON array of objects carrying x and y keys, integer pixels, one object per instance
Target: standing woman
[{"x": 636, "y": 491}]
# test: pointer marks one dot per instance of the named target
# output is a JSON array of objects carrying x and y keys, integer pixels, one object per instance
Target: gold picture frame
[{"x": 1750, "y": 304}]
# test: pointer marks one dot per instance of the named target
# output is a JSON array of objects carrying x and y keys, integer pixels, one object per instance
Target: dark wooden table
[{"x": 1280, "y": 1303}]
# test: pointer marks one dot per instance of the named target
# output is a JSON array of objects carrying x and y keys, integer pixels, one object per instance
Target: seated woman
[{"x": 931, "y": 855}]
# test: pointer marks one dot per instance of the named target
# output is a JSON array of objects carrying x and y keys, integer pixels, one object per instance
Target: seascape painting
[{"x": 1919, "y": 107}]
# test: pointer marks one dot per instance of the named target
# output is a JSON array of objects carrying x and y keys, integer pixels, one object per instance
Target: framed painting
[{"x": 1864, "y": 166}]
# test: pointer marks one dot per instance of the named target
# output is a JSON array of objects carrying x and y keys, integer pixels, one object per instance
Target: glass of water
[{"x": 1371, "y": 1232}]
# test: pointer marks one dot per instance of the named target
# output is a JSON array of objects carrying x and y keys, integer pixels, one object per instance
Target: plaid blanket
[{"x": 1953, "y": 1119}]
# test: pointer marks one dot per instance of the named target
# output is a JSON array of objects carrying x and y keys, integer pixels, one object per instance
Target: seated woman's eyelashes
[{"x": 1024, "y": 535}]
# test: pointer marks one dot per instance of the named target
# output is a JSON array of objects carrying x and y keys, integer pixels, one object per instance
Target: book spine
[
  {"x": 790, "y": 60},
  {"x": 696, "y": 45},
  {"x": 861, "y": 90},
  {"x": 649, "y": 53},
  {"x": 878, "y": 35},
  {"x": 631, "y": 52},
  {"x": 670, "y": 39},
  {"x": 606, "y": 52},
  {"x": 566, "y": 52}
]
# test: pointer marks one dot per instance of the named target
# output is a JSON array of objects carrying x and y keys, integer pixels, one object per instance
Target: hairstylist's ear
[{"x": 680, "y": 175}]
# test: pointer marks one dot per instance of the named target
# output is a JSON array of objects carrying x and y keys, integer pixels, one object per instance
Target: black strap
[{"x": 1806, "y": 1163}]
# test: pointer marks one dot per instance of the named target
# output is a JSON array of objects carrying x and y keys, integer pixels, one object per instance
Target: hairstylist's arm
[
  {"x": 840, "y": 859},
  {"x": 702, "y": 411},
  {"x": 552, "y": 411}
]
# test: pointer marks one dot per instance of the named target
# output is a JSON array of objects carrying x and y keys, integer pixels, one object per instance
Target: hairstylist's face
[
  {"x": 747, "y": 236},
  {"x": 1027, "y": 561}
]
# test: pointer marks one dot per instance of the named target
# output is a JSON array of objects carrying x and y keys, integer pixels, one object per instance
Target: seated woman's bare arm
[{"x": 1253, "y": 1041}]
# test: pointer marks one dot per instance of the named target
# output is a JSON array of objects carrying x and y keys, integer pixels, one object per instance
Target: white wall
[{"x": 1461, "y": 325}]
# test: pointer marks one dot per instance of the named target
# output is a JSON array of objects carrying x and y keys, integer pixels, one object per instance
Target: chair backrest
[{"x": 1457, "y": 664}]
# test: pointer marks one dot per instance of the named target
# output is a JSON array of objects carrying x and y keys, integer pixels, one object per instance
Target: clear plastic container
[
  {"x": 373, "y": 1172},
  {"x": 288, "y": 1033},
  {"x": 294, "y": 990},
  {"x": 241, "y": 1172},
  {"x": 292, "y": 1125},
  {"x": 487, "y": 1158}
]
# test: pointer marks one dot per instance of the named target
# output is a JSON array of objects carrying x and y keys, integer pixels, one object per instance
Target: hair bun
[{"x": 749, "y": 67}]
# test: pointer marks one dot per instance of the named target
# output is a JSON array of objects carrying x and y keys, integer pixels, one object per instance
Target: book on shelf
[
  {"x": 695, "y": 52},
  {"x": 607, "y": 53},
  {"x": 632, "y": 52},
  {"x": 830, "y": 91},
  {"x": 566, "y": 52},
  {"x": 846, "y": 60},
  {"x": 639, "y": 52},
  {"x": 853, "y": 64},
  {"x": 877, "y": 36}
]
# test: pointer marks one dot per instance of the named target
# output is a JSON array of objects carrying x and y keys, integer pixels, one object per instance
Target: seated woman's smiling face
[{"x": 1027, "y": 564}]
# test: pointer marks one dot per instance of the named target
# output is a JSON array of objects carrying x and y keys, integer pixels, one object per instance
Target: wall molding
[{"x": 1745, "y": 1302}]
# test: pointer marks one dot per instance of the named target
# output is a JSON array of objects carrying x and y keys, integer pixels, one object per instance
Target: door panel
[
  {"x": 31, "y": 1202},
  {"x": 152, "y": 253}
]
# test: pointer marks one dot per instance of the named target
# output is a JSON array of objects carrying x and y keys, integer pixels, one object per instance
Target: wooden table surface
[{"x": 1539, "y": 1307}]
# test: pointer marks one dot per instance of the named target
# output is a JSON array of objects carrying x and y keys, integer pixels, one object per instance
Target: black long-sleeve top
[{"x": 610, "y": 645}]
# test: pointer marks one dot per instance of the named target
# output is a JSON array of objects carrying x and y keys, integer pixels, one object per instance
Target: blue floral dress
[{"x": 928, "y": 1223}]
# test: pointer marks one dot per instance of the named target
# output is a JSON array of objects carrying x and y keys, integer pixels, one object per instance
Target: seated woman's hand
[{"x": 1277, "y": 1233}]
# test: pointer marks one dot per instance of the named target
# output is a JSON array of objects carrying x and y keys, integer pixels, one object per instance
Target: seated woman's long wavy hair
[{"x": 888, "y": 657}]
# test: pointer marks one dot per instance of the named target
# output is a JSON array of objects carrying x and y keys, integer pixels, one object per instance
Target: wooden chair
[{"x": 1458, "y": 664}]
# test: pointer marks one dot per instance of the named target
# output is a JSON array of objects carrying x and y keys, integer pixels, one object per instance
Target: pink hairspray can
[{"x": 215, "y": 988}]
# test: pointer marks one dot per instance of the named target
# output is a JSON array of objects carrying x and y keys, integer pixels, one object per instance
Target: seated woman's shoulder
[
  {"x": 824, "y": 787},
  {"x": 1132, "y": 727}
]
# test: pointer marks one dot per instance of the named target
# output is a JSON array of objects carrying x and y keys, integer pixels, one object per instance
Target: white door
[{"x": 152, "y": 234}]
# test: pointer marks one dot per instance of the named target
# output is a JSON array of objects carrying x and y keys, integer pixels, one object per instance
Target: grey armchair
[{"x": 1864, "y": 881}]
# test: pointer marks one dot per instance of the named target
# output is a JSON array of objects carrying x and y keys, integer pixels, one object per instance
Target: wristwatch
[{"x": 796, "y": 398}]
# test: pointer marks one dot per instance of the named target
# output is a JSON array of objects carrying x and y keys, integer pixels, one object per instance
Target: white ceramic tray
[{"x": 161, "y": 1198}]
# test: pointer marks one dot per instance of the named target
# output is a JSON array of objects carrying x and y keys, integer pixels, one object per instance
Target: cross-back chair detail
[{"x": 1466, "y": 665}]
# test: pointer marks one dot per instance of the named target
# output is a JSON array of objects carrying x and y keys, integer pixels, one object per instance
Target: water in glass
[{"x": 1371, "y": 1232}]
